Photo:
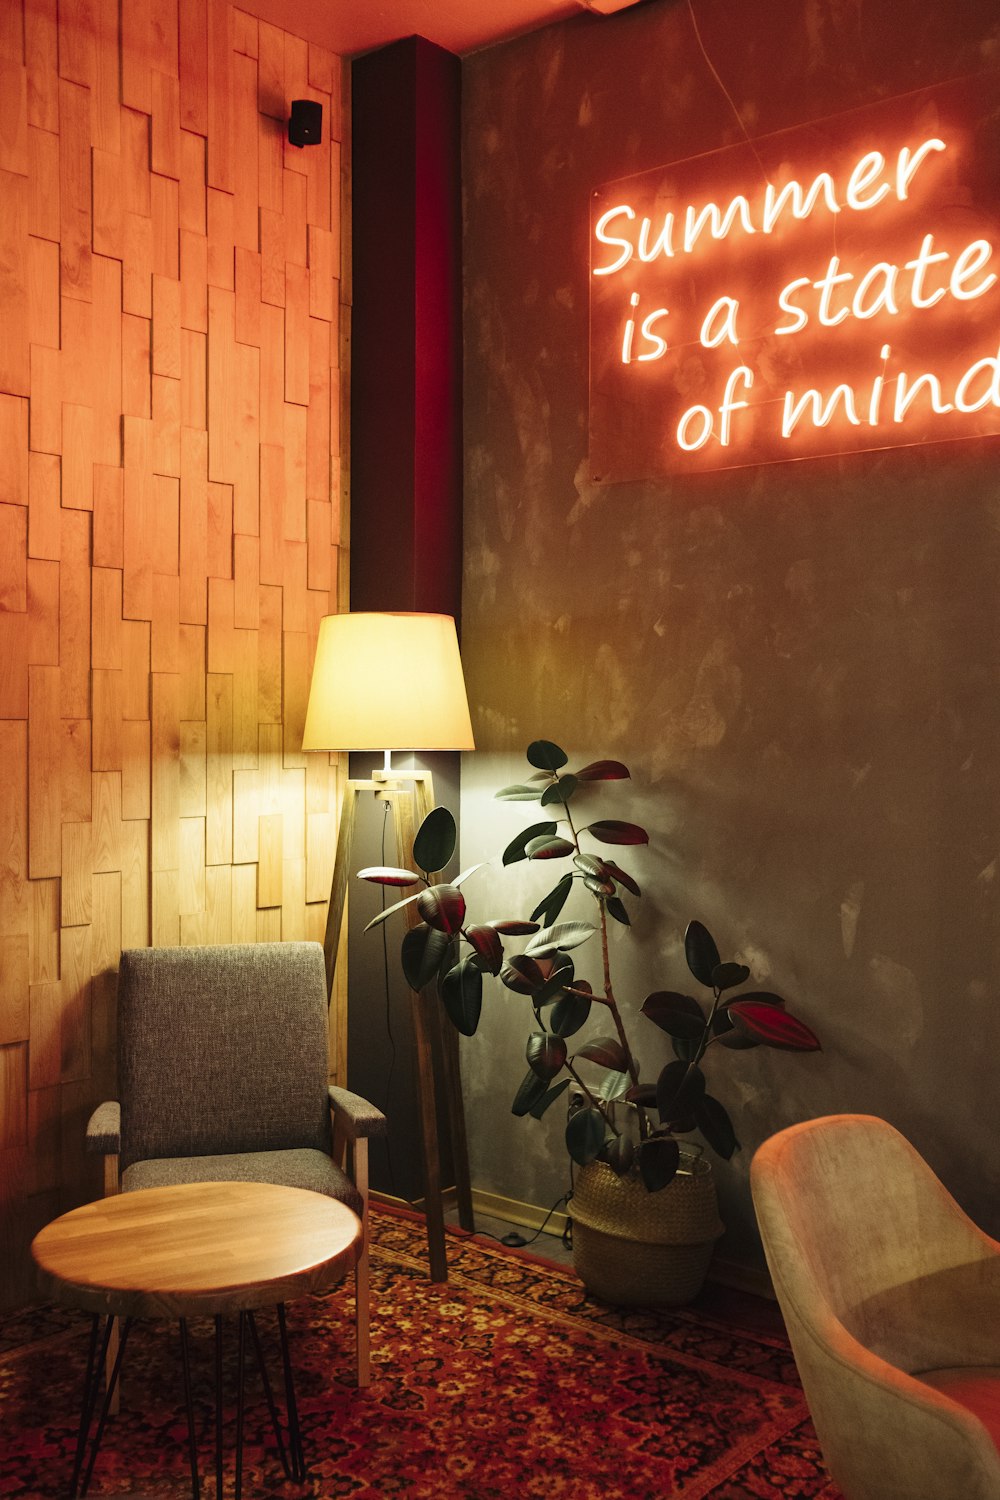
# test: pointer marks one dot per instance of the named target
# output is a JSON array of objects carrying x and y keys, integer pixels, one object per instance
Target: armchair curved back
[
  {"x": 222, "y": 1050},
  {"x": 880, "y": 1277}
]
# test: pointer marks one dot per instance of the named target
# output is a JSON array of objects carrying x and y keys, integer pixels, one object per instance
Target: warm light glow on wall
[{"x": 828, "y": 289}]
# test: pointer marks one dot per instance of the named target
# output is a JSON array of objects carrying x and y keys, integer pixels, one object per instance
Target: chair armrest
[
  {"x": 104, "y": 1128},
  {"x": 358, "y": 1118}
]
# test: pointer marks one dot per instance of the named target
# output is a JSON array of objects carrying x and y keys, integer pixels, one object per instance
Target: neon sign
[{"x": 825, "y": 290}]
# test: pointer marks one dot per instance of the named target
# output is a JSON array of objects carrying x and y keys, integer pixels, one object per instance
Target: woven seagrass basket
[{"x": 637, "y": 1248}]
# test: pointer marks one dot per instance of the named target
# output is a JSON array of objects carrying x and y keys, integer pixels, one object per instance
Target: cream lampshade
[{"x": 387, "y": 682}]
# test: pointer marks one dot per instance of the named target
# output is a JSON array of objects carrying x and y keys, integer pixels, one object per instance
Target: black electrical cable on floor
[{"x": 515, "y": 1240}]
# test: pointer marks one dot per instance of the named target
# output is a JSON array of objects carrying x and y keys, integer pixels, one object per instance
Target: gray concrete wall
[{"x": 799, "y": 662}]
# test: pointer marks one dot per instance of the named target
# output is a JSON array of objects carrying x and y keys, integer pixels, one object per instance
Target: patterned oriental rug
[{"x": 507, "y": 1382}]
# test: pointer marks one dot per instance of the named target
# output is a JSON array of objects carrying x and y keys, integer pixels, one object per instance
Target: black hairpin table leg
[
  {"x": 108, "y": 1396},
  {"x": 294, "y": 1430},
  {"x": 189, "y": 1408},
  {"x": 218, "y": 1407},
  {"x": 269, "y": 1397}
]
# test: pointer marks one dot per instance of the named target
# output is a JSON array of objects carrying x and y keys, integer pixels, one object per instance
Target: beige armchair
[
  {"x": 222, "y": 1073},
  {"x": 891, "y": 1297}
]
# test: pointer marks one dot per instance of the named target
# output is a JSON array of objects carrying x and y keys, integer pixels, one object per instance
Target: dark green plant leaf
[
  {"x": 533, "y": 1089},
  {"x": 613, "y": 1086},
  {"x": 612, "y": 831},
  {"x": 560, "y": 791},
  {"x": 603, "y": 770},
  {"x": 436, "y": 839},
  {"x": 622, "y": 878},
  {"x": 701, "y": 953},
  {"x": 619, "y": 1154},
  {"x": 607, "y": 1051},
  {"x": 422, "y": 950},
  {"x": 546, "y": 1054},
  {"x": 759, "y": 997},
  {"x": 678, "y": 1015},
  {"x": 658, "y": 1161},
  {"x": 518, "y": 793},
  {"x": 555, "y": 984},
  {"x": 387, "y": 875},
  {"x": 546, "y": 756},
  {"x": 715, "y": 1125},
  {"x": 599, "y": 887},
  {"x": 774, "y": 1026},
  {"x": 396, "y": 906},
  {"x": 615, "y": 908},
  {"x": 585, "y": 1133},
  {"x": 727, "y": 1034},
  {"x": 549, "y": 1097},
  {"x": 591, "y": 865},
  {"x": 686, "y": 1048},
  {"x": 462, "y": 994},
  {"x": 443, "y": 907},
  {"x": 678, "y": 1089},
  {"x": 643, "y": 1094},
  {"x": 727, "y": 976},
  {"x": 512, "y": 927},
  {"x": 562, "y": 935},
  {"x": 551, "y": 905},
  {"x": 515, "y": 849},
  {"x": 568, "y": 1015},
  {"x": 554, "y": 847},
  {"x": 486, "y": 941},
  {"x": 522, "y": 975}
]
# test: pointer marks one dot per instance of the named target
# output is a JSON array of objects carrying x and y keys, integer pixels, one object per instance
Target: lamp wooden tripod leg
[{"x": 436, "y": 1043}]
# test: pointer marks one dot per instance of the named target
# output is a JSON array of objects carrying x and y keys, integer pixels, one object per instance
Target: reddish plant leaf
[
  {"x": 548, "y": 848},
  {"x": 603, "y": 770},
  {"x": 760, "y": 997},
  {"x": 774, "y": 1026},
  {"x": 511, "y": 927},
  {"x": 622, "y": 877},
  {"x": 443, "y": 907},
  {"x": 486, "y": 941},
  {"x": 611, "y": 831},
  {"x": 606, "y": 1051},
  {"x": 522, "y": 975}
]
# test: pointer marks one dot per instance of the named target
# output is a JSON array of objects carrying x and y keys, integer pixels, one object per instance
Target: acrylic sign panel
[{"x": 828, "y": 289}]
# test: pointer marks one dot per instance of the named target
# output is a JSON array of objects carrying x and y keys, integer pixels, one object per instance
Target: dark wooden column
[{"x": 406, "y": 355}]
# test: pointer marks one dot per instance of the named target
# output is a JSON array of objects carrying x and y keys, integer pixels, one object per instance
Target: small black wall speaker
[{"x": 305, "y": 125}]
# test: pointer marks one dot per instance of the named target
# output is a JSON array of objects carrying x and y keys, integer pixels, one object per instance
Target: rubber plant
[{"x": 445, "y": 948}]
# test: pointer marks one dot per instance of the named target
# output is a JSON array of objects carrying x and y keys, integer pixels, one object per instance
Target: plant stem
[
  {"x": 595, "y": 1102},
  {"x": 633, "y": 1071}
]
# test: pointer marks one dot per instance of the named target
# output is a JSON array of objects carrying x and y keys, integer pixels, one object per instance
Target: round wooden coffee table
[{"x": 200, "y": 1248}]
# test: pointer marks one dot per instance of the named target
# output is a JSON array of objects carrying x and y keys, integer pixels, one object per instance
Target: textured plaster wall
[{"x": 799, "y": 662}]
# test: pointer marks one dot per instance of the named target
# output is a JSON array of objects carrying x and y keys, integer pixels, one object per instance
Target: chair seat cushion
[
  {"x": 301, "y": 1167},
  {"x": 976, "y": 1387}
]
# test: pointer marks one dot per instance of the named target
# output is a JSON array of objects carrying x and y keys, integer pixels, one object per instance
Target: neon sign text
[
  {"x": 827, "y": 289},
  {"x": 679, "y": 234}
]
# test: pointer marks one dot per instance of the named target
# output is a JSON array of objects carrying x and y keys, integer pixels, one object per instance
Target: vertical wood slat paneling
[{"x": 169, "y": 491}]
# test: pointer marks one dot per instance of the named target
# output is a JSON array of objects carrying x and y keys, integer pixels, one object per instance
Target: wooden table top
[{"x": 199, "y": 1247}]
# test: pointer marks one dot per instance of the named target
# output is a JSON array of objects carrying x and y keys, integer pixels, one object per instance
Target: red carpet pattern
[{"x": 507, "y": 1382}]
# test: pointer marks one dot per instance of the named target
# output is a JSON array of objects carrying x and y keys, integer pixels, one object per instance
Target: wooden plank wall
[{"x": 171, "y": 319}]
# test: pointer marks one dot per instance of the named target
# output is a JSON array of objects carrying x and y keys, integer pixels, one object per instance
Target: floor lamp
[{"x": 384, "y": 682}]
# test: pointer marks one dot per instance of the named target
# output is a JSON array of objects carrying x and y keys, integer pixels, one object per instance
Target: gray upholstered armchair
[{"x": 222, "y": 1073}]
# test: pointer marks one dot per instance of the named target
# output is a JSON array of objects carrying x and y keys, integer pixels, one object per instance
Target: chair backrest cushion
[{"x": 222, "y": 1049}]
